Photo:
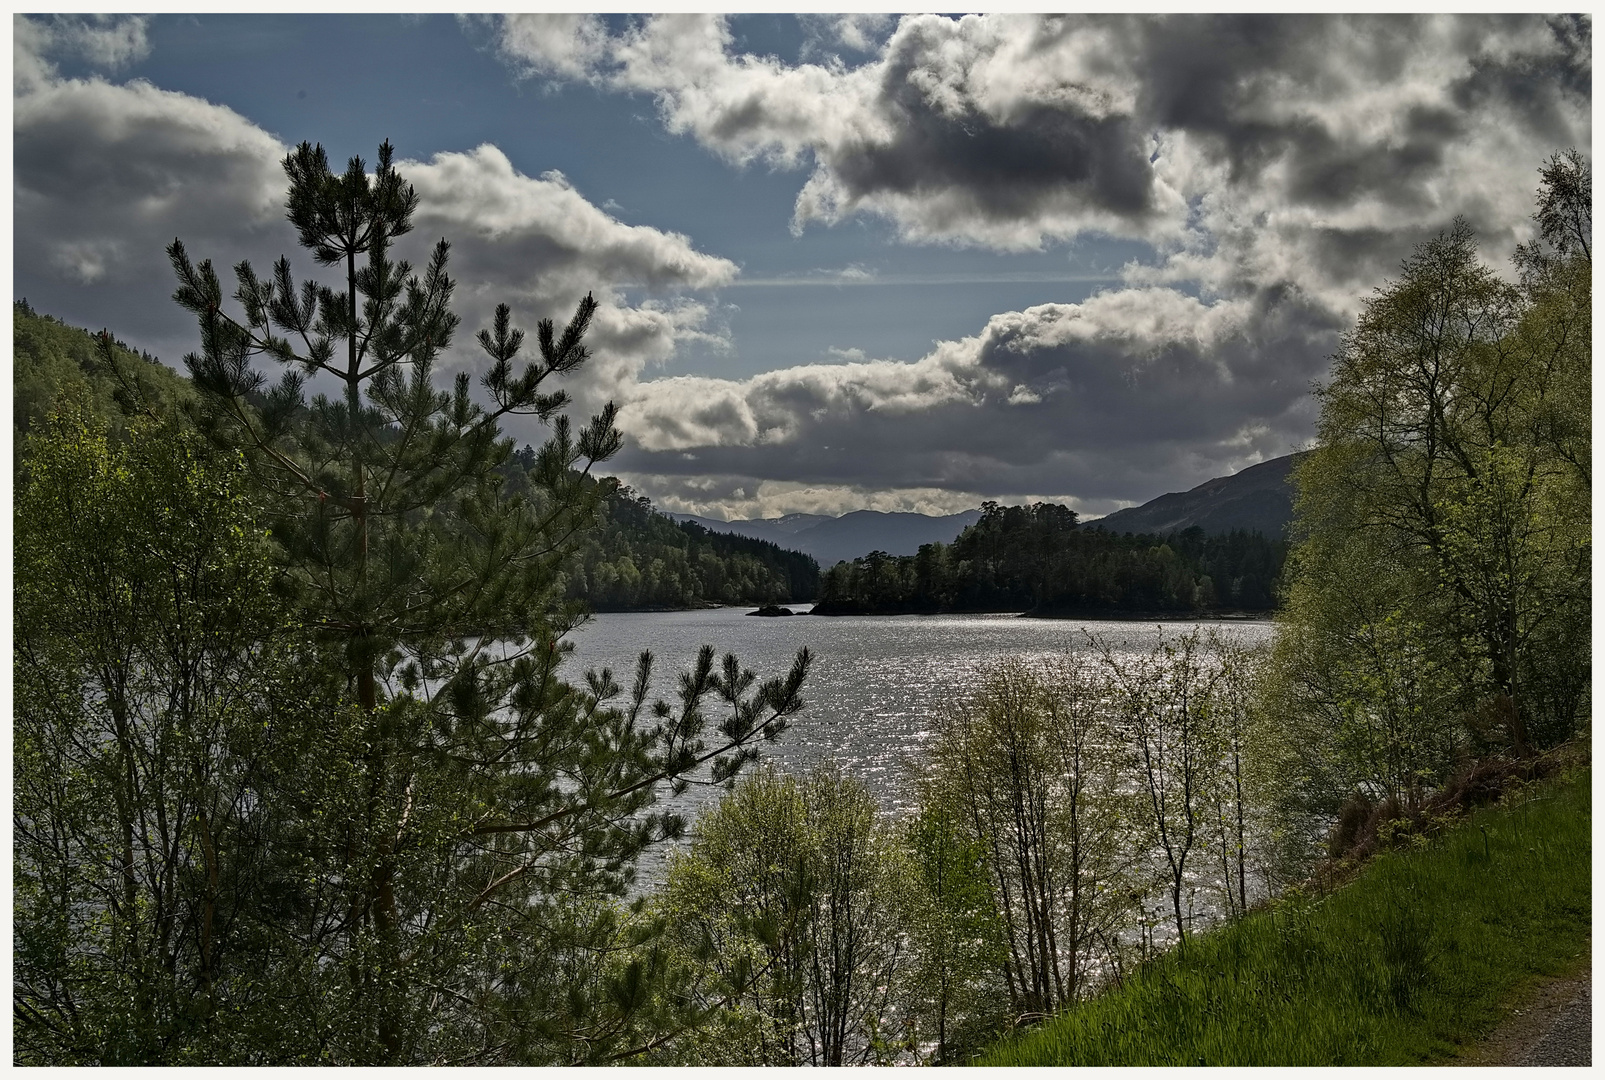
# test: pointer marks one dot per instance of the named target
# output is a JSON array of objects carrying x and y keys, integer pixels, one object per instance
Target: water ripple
[{"x": 878, "y": 687}]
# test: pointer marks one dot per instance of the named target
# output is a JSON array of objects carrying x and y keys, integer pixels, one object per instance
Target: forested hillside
[
  {"x": 636, "y": 558},
  {"x": 1041, "y": 560},
  {"x": 51, "y": 360},
  {"x": 640, "y": 559}
]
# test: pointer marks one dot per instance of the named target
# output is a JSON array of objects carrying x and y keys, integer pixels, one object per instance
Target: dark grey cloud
[
  {"x": 1248, "y": 90},
  {"x": 1011, "y": 131},
  {"x": 106, "y": 176},
  {"x": 1013, "y": 166},
  {"x": 1261, "y": 91},
  {"x": 1129, "y": 392},
  {"x": 1536, "y": 83}
]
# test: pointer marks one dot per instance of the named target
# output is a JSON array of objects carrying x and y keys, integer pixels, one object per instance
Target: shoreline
[{"x": 1094, "y": 615}]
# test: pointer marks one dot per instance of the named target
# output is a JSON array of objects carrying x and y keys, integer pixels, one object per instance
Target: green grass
[{"x": 1401, "y": 966}]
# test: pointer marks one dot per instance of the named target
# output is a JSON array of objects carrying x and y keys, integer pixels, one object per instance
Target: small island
[{"x": 770, "y": 611}]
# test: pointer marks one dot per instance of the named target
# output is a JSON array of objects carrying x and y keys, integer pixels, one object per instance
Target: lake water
[{"x": 878, "y": 683}]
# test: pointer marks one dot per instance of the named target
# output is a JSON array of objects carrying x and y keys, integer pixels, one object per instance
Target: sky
[{"x": 844, "y": 262}]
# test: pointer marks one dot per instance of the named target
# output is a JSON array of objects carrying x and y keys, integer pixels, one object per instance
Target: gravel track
[
  {"x": 1550, "y": 1025},
  {"x": 1569, "y": 1038}
]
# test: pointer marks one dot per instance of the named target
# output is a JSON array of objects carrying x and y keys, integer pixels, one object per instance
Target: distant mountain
[
  {"x": 1258, "y": 499},
  {"x": 831, "y": 540},
  {"x": 775, "y": 530},
  {"x": 790, "y": 525}
]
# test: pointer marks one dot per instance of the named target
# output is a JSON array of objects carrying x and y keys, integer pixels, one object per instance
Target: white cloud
[
  {"x": 538, "y": 245},
  {"x": 1312, "y": 150},
  {"x": 860, "y": 31},
  {"x": 545, "y": 230},
  {"x": 107, "y": 42},
  {"x": 106, "y": 175},
  {"x": 553, "y": 45},
  {"x": 732, "y": 498},
  {"x": 778, "y": 407}
]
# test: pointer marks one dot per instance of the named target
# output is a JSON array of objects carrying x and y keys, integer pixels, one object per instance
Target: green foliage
[
  {"x": 156, "y": 715},
  {"x": 639, "y": 559},
  {"x": 1439, "y": 602},
  {"x": 954, "y": 993},
  {"x": 387, "y": 503},
  {"x": 1400, "y": 967},
  {"x": 784, "y": 911},
  {"x": 1022, "y": 771},
  {"x": 1182, "y": 716},
  {"x": 52, "y": 362},
  {"x": 1038, "y": 560},
  {"x": 444, "y": 872}
]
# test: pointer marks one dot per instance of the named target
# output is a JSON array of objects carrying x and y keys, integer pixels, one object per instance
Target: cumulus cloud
[
  {"x": 857, "y": 31},
  {"x": 553, "y": 45},
  {"x": 106, "y": 42},
  {"x": 1278, "y": 168},
  {"x": 539, "y": 245},
  {"x": 731, "y": 498},
  {"x": 535, "y": 233},
  {"x": 1013, "y": 131},
  {"x": 107, "y": 174},
  {"x": 777, "y": 407},
  {"x": 1088, "y": 402}
]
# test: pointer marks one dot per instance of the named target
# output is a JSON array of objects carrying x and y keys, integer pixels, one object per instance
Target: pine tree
[{"x": 487, "y": 810}]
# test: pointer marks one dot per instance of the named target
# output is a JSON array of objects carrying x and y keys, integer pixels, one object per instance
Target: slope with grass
[{"x": 1404, "y": 965}]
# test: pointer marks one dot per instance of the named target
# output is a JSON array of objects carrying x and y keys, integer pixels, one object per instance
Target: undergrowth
[{"x": 1406, "y": 962}]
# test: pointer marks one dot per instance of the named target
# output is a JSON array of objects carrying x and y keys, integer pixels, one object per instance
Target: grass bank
[{"x": 1399, "y": 967}]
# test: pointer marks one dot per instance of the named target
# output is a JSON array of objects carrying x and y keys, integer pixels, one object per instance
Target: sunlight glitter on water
[{"x": 879, "y": 683}]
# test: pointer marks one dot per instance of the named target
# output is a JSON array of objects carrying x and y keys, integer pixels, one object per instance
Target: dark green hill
[
  {"x": 642, "y": 559},
  {"x": 639, "y": 559},
  {"x": 636, "y": 558},
  {"x": 50, "y": 359},
  {"x": 1257, "y": 499}
]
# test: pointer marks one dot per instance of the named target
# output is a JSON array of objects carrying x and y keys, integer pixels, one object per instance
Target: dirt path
[{"x": 1550, "y": 1024}]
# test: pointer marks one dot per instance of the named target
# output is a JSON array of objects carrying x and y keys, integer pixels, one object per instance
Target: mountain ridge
[
  {"x": 834, "y": 539},
  {"x": 1256, "y": 499}
]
